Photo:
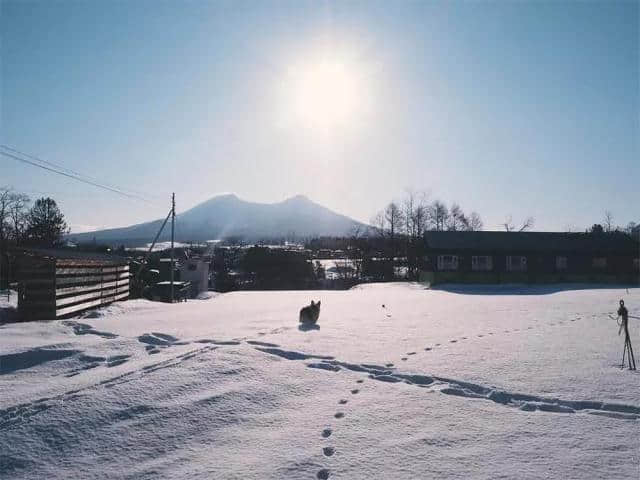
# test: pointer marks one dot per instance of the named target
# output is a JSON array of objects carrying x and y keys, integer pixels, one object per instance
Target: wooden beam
[
  {"x": 93, "y": 294},
  {"x": 77, "y": 270},
  {"x": 87, "y": 288},
  {"x": 105, "y": 293},
  {"x": 76, "y": 308},
  {"x": 86, "y": 305},
  {"x": 77, "y": 280}
]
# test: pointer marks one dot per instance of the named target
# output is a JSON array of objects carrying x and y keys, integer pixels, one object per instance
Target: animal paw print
[
  {"x": 328, "y": 451},
  {"x": 323, "y": 474}
]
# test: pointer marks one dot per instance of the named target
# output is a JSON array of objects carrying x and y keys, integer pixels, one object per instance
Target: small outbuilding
[
  {"x": 56, "y": 283},
  {"x": 196, "y": 272}
]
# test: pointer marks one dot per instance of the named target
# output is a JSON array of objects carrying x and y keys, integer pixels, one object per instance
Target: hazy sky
[{"x": 521, "y": 108}]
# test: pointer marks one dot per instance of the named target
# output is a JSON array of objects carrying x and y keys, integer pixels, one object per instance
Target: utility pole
[{"x": 173, "y": 221}]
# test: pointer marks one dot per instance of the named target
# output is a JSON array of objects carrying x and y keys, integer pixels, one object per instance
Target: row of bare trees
[
  {"x": 404, "y": 222},
  {"x": 414, "y": 214},
  {"x": 608, "y": 226}
]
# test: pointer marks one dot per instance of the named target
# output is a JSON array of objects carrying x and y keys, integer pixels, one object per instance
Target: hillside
[{"x": 227, "y": 215}]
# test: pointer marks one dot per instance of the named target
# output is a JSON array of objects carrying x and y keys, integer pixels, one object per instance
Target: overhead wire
[{"x": 60, "y": 170}]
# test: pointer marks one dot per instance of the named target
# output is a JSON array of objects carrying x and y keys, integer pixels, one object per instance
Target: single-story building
[
  {"x": 195, "y": 271},
  {"x": 530, "y": 257}
]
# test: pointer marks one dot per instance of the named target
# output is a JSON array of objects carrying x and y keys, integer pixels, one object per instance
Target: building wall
[
  {"x": 195, "y": 271},
  {"x": 434, "y": 278},
  {"x": 541, "y": 268}
]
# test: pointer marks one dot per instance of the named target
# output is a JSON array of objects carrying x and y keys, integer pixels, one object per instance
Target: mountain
[{"x": 227, "y": 215}]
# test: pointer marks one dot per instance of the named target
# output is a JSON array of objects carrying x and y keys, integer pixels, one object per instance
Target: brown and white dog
[{"x": 310, "y": 313}]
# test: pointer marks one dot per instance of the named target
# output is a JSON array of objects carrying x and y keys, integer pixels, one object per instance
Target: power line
[
  {"x": 75, "y": 177},
  {"x": 59, "y": 194},
  {"x": 72, "y": 172}
]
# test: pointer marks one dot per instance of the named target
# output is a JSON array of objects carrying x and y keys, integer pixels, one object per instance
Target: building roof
[
  {"x": 606, "y": 243},
  {"x": 69, "y": 256}
]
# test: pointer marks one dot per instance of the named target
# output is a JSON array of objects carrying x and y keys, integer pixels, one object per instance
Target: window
[
  {"x": 561, "y": 263},
  {"x": 599, "y": 262},
  {"x": 483, "y": 263},
  {"x": 447, "y": 262},
  {"x": 516, "y": 263}
]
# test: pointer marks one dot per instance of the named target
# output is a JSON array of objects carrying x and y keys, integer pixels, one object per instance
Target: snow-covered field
[{"x": 397, "y": 382}]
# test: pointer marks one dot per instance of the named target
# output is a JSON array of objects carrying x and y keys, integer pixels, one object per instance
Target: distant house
[
  {"x": 55, "y": 283},
  {"x": 195, "y": 271},
  {"x": 530, "y": 257}
]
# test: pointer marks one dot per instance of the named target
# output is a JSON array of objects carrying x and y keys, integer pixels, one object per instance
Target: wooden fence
[{"x": 56, "y": 288}]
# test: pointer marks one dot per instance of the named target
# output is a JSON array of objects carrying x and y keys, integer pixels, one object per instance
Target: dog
[{"x": 310, "y": 313}]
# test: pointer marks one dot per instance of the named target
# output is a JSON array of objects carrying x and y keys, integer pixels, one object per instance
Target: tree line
[
  {"x": 40, "y": 224},
  {"x": 608, "y": 226},
  {"x": 403, "y": 224},
  {"x": 414, "y": 214}
]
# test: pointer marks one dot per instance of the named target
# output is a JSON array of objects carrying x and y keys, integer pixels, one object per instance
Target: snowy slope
[
  {"x": 227, "y": 215},
  {"x": 453, "y": 383}
]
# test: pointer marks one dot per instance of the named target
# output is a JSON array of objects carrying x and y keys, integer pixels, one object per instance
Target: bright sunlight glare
[{"x": 325, "y": 94}]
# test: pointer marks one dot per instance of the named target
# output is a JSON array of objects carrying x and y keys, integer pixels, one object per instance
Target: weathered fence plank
[{"x": 52, "y": 286}]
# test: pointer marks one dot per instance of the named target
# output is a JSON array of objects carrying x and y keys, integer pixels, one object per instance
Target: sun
[{"x": 324, "y": 93}]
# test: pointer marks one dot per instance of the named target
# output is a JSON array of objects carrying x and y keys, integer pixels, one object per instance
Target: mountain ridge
[{"x": 227, "y": 215}]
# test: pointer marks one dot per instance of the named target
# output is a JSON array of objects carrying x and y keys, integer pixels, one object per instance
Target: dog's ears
[
  {"x": 312, "y": 304},
  {"x": 318, "y": 303}
]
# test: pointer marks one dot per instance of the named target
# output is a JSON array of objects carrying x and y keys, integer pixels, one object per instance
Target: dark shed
[{"x": 57, "y": 283}]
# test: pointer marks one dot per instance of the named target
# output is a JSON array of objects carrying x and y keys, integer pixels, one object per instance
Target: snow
[
  {"x": 396, "y": 382},
  {"x": 161, "y": 246}
]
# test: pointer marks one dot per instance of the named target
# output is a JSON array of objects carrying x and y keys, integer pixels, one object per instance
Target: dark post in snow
[
  {"x": 173, "y": 221},
  {"x": 628, "y": 349}
]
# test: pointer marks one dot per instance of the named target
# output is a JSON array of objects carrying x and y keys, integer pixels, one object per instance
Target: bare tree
[
  {"x": 439, "y": 215},
  {"x": 608, "y": 221},
  {"x": 631, "y": 227},
  {"x": 6, "y": 200},
  {"x": 527, "y": 224},
  {"x": 407, "y": 205},
  {"x": 357, "y": 251},
  {"x": 420, "y": 217},
  {"x": 457, "y": 219},
  {"x": 475, "y": 222},
  {"x": 508, "y": 224},
  {"x": 13, "y": 219},
  {"x": 18, "y": 216},
  {"x": 415, "y": 215},
  {"x": 394, "y": 219},
  {"x": 379, "y": 224}
]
